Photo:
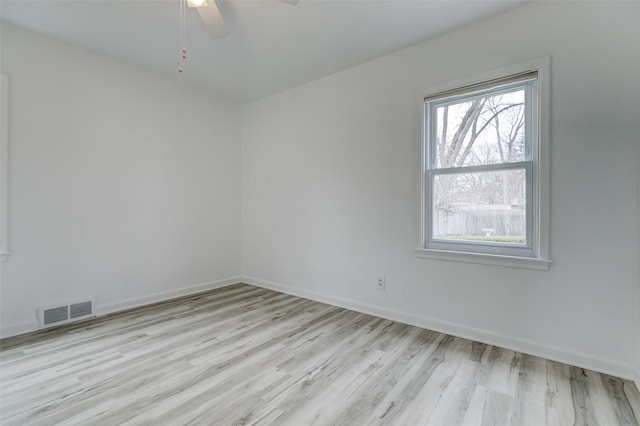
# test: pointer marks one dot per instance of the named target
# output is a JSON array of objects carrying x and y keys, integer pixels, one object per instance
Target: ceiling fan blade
[
  {"x": 291, "y": 2},
  {"x": 212, "y": 20}
]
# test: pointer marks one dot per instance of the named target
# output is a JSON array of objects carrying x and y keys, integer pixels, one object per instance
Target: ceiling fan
[{"x": 211, "y": 17}]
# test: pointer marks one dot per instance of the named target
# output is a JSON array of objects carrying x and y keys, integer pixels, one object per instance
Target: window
[{"x": 485, "y": 173}]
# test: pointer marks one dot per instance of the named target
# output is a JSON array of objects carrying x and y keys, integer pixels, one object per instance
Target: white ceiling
[{"x": 273, "y": 46}]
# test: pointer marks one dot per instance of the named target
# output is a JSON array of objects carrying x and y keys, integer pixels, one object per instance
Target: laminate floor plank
[{"x": 243, "y": 355}]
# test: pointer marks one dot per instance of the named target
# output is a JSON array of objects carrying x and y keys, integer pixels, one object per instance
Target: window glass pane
[
  {"x": 482, "y": 130},
  {"x": 482, "y": 206}
]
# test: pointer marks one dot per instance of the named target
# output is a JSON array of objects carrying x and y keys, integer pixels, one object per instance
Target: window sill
[
  {"x": 485, "y": 259},
  {"x": 4, "y": 256}
]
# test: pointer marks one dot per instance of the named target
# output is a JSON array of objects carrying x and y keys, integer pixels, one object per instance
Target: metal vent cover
[
  {"x": 54, "y": 315},
  {"x": 80, "y": 309},
  {"x": 49, "y": 316}
]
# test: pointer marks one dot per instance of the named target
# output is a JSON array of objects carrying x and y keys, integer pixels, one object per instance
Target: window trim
[
  {"x": 538, "y": 255},
  {"x": 4, "y": 168},
  {"x": 526, "y": 82}
]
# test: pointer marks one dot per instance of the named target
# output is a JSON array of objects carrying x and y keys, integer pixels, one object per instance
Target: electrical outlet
[{"x": 381, "y": 283}]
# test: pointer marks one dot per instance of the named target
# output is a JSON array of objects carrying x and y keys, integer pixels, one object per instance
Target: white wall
[
  {"x": 330, "y": 177},
  {"x": 637, "y": 91},
  {"x": 127, "y": 187},
  {"x": 123, "y": 186}
]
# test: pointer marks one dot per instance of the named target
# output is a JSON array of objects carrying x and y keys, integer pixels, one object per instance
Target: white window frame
[
  {"x": 535, "y": 253},
  {"x": 4, "y": 168}
]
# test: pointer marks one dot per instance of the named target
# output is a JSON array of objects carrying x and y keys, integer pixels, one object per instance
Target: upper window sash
[{"x": 526, "y": 82}]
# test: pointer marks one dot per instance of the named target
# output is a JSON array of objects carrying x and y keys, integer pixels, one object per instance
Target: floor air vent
[{"x": 50, "y": 316}]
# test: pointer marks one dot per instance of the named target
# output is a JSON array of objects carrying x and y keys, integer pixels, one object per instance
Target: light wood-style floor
[{"x": 245, "y": 355}]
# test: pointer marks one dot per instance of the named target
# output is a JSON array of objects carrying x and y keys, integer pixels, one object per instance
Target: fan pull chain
[
  {"x": 184, "y": 59},
  {"x": 183, "y": 10}
]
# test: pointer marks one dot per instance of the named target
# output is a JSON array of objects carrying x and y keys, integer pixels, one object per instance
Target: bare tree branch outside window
[{"x": 481, "y": 205}]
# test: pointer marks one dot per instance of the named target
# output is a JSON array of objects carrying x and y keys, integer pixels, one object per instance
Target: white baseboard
[
  {"x": 27, "y": 327},
  {"x": 483, "y": 336},
  {"x": 165, "y": 295},
  {"x": 519, "y": 345}
]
